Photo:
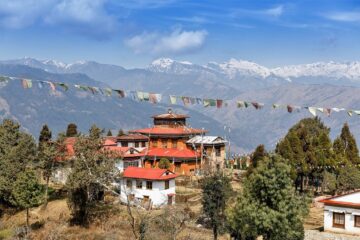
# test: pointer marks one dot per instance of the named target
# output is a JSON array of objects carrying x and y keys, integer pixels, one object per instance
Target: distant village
[{"x": 171, "y": 181}]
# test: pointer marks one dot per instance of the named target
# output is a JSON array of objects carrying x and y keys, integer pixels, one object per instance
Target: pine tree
[
  {"x": 121, "y": 133},
  {"x": 258, "y": 155},
  {"x": 109, "y": 133},
  {"x": 348, "y": 179},
  {"x": 17, "y": 151},
  {"x": 307, "y": 147},
  {"x": 269, "y": 205},
  {"x": 27, "y": 192},
  {"x": 345, "y": 146},
  {"x": 216, "y": 191},
  {"x": 45, "y": 134},
  {"x": 71, "y": 130},
  {"x": 48, "y": 153},
  {"x": 91, "y": 171}
]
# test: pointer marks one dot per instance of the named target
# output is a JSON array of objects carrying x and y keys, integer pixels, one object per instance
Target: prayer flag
[
  {"x": 312, "y": 110},
  {"x": 146, "y": 96},
  {"x": 206, "y": 102},
  {"x": 3, "y": 79},
  {"x": 289, "y": 108},
  {"x": 120, "y": 93},
  {"x": 276, "y": 106},
  {"x": 140, "y": 96},
  {"x": 27, "y": 83},
  {"x": 64, "y": 86},
  {"x": 173, "y": 99},
  {"x": 257, "y": 105},
  {"x": 186, "y": 101},
  {"x": 52, "y": 86},
  {"x": 219, "y": 103}
]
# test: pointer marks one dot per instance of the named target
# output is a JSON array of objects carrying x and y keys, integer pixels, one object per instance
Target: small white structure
[
  {"x": 342, "y": 213},
  {"x": 149, "y": 187}
]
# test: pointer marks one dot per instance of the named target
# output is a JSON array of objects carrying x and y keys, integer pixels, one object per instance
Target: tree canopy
[
  {"x": 93, "y": 168},
  {"x": 164, "y": 163},
  {"x": 345, "y": 147},
  {"x": 71, "y": 130},
  {"x": 216, "y": 191},
  {"x": 27, "y": 192},
  {"x": 269, "y": 205},
  {"x": 308, "y": 148},
  {"x": 45, "y": 134},
  {"x": 17, "y": 151}
]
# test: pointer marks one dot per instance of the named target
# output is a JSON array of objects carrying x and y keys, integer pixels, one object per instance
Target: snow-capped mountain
[
  {"x": 242, "y": 68},
  {"x": 234, "y": 67},
  {"x": 167, "y": 65},
  {"x": 349, "y": 70},
  {"x": 239, "y": 74}
]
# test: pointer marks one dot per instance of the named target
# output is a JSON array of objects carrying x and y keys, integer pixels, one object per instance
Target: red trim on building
[
  {"x": 331, "y": 201},
  {"x": 172, "y": 153},
  {"x": 169, "y": 131}
]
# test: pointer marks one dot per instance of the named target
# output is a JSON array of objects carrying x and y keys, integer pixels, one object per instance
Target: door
[{"x": 170, "y": 200}]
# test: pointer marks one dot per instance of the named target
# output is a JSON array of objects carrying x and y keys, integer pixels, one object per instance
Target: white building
[
  {"x": 149, "y": 187},
  {"x": 342, "y": 213}
]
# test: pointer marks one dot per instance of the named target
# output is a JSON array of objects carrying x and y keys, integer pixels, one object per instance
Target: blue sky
[{"x": 132, "y": 33}]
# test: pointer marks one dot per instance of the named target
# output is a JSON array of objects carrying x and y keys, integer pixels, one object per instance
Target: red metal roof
[
  {"x": 169, "y": 131},
  {"x": 148, "y": 173},
  {"x": 172, "y": 153},
  {"x": 110, "y": 141}
]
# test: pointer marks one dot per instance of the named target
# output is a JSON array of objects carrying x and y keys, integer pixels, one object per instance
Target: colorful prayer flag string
[{"x": 156, "y": 98}]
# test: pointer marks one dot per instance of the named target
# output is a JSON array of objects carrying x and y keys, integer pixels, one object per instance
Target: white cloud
[
  {"x": 275, "y": 12},
  {"x": 353, "y": 16},
  {"x": 84, "y": 16},
  {"x": 140, "y": 4},
  {"x": 87, "y": 16},
  {"x": 176, "y": 42},
  {"x": 22, "y": 13}
]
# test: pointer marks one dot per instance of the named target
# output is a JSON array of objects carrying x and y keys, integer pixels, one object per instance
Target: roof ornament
[{"x": 170, "y": 111}]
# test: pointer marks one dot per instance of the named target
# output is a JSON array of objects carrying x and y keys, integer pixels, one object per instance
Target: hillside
[
  {"x": 35, "y": 107},
  {"x": 248, "y": 127}
]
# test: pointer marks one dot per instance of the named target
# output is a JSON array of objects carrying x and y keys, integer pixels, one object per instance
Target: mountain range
[{"x": 327, "y": 84}]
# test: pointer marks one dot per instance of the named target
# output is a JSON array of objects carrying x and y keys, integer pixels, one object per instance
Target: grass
[{"x": 6, "y": 233}]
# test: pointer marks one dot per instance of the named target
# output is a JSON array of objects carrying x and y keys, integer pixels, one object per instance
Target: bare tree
[{"x": 173, "y": 220}]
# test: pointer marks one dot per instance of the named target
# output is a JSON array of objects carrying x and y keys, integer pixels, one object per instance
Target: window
[
  {"x": 136, "y": 144},
  {"x": 155, "y": 143},
  {"x": 164, "y": 143},
  {"x": 131, "y": 164},
  {"x": 143, "y": 144},
  {"x": 218, "y": 151},
  {"x": 339, "y": 220},
  {"x": 131, "y": 197},
  {"x": 167, "y": 184},
  {"x": 174, "y": 143},
  {"x": 149, "y": 185},
  {"x": 139, "y": 184},
  {"x": 177, "y": 167},
  {"x": 357, "y": 221},
  {"x": 129, "y": 183},
  {"x": 124, "y": 144}
]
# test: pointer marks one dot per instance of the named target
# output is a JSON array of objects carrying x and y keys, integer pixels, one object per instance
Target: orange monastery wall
[
  {"x": 168, "y": 143},
  {"x": 184, "y": 168}
]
